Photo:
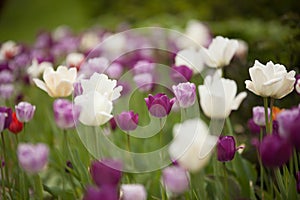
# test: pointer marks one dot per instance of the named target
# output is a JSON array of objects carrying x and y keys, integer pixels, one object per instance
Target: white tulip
[
  {"x": 102, "y": 84},
  {"x": 190, "y": 58},
  {"x": 36, "y": 69},
  {"x": 196, "y": 35},
  {"x": 270, "y": 80},
  {"x": 220, "y": 52},
  {"x": 74, "y": 59},
  {"x": 133, "y": 191},
  {"x": 57, "y": 83},
  {"x": 218, "y": 96},
  {"x": 192, "y": 144},
  {"x": 95, "y": 108},
  {"x": 8, "y": 50}
]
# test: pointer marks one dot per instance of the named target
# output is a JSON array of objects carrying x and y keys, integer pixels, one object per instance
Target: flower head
[
  {"x": 288, "y": 122},
  {"x": 33, "y": 158},
  {"x": 127, "y": 121},
  {"x": 226, "y": 148},
  {"x": 218, "y": 96},
  {"x": 258, "y": 113},
  {"x": 57, "y": 83},
  {"x": 185, "y": 94},
  {"x": 133, "y": 191},
  {"x": 36, "y": 69},
  {"x": 95, "y": 108},
  {"x": 175, "y": 179},
  {"x": 220, "y": 52},
  {"x": 106, "y": 192},
  {"x": 274, "y": 151},
  {"x": 106, "y": 172},
  {"x": 103, "y": 85},
  {"x": 181, "y": 73},
  {"x": 74, "y": 60},
  {"x": 66, "y": 114},
  {"x": 190, "y": 58},
  {"x": 192, "y": 144},
  {"x": 15, "y": 125},
  {"x": 24, "y": 111},
  {"x": 6, "y": 116},
  {"x": 270, "y": 80},
  {"x": 159, "y": 105}
]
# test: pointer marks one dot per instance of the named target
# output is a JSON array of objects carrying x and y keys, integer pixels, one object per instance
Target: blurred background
[{"x": 270, "y": 27}]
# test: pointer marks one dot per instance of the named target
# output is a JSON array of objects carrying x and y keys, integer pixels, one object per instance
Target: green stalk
[
  {"x": 266, "y": 115},
  {"x": 282, "y": 189},
  {"x": 2, "y": 182},
  {"x": 296, "y": 161},
  {"x": 226, "y": 182},
  {"x": 38, "y": 187},
  {"x": 261, "y": 166},
  {"x": 6, "y": 163},
  {"x": 229, "y": 126},
  {"x": 128, "y": 142},
  {"x": 271, "y": 114}
]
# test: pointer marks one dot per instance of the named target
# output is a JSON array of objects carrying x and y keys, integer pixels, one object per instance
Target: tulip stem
[
  {"x": 282, "y": 189},
  {"x": 6, "y": 164},
  {"x": 128, "y": 141},
  {"x": 229, "y": 126},
  {"x": 271, "y": 114},
  {"x": 261, "y": 165},
  {"x": 266, "y": 115},
  {"x": 226, "y": 182},
  {"x": 2, "y": 181},
  {"x": 38, "y": 187}
]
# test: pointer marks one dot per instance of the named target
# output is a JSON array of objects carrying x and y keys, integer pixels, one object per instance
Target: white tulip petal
[{"x": 238, "y": 100}]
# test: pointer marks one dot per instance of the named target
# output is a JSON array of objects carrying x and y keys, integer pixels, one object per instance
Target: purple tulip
[
  {"x": 127, "y": 121},
  {"x": 24, "y": 111},
  {"x": 7, "y": 112},
  {"x": 43, "y": 40},
  {"x": 258, "y": 113},
  {"x": 180, "y": 74},
  {"x": 115, "y": 70},
  {"x": 106, "y": 192},
  {"x": 289, "y": 125},
  {"x": 144, "y": 81},
  {"x": 175, "y": 179},
  {"x": 143, "y": 66},
  {"x": 6, "y": 90},
  {"x": 33, "y": 158},
  {"x": 133, "y": 191},
  {"x": 253, "y": 127},
  {"x": 298, "y": 181},
  {"x": 226, "y": 148},
  {"x": 106, "y": 172},
  {"x": 66, "y": 113},
  {"x": 77, "y": 89},
  {"x": 185, "y": 94},
  {"x": 274, "y": 151},
  {"x": 6, "y": 76},
  {"x": 159, "y": 105}
]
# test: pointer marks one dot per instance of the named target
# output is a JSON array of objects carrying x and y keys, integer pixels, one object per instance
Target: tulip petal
[
  {"x": 63, "y": 89},
  {"x": 238, "y": 100}
]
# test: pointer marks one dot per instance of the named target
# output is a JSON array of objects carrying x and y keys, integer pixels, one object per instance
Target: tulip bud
[
  {"x": 127, "y": 121},
  {"x": 24, "y": 111},
  {"x": 66, "y": 114},
  {"x": 106, "y": 172},
  {"x": 33, "y": 158},
  {"x": 259, "y": 115},
  {"x": 185, "y": 94},
  {"x": 226, "y": 148},
  {"x": 181, "y": 74},
  {"x": 106, "y": 192},
  {"x": 274, "y": 151},
  {"x": 133, "y": 191},
  {"x": 175, "y": 179},
  {"x": 15, "y": 126},
  {"x": 159, "y": 105}
]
